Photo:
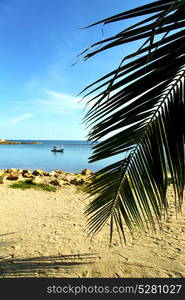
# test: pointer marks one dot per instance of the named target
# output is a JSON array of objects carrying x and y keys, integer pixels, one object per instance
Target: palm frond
[{"x": 141, "y": 105}]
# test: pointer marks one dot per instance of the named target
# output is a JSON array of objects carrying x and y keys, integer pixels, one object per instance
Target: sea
[{"x": 39, "y": 156}]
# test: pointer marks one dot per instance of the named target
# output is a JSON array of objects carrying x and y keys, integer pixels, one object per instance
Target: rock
[
  {"x": 38, "y": 172},
  {"x": 2, "y": 172},
  {"x": 58, "y": 171},
  {"x": 68, "y": 178},
  {"x": 46, "y": 173},
  {"x": 11, "y": 170},
  {"x": 52, "y": 173},
  {"x": 27, "y": 174},
  {"x": 37, "y": 180},
  {"x": 13, "y": 176},
  {"x": 86, "y": 172},
  {"x": 56, "y": 182},
  {"x": 2, "y": 179},
  {"x": 62, "y": 182},
  {"x": 77, "y": 181}
]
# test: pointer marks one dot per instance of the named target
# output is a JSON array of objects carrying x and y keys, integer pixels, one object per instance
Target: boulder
[
  {"x": 2, "y": 179},
  {"x": 60, "y": 176},
  {"x": 46, "y": 173},
  {"x": 68, "y": 178},
  {"x": 13, "y": 176},
  {"x": 2, "y": 172},
  {"x": 38, "y": 172},
  {"x": 27, "y": 174},
  {"x": 56, "y": 182},
  {"x": 25, "y": 171},
  {"x": 37, "y": 180},
  {"x": 77, "y": 181},
  {"x": 11, "y": 170},
  {"x": 86, "y": 172},
  {"x": 52, "y": 173},
  {"x": 58, "y": 171}
]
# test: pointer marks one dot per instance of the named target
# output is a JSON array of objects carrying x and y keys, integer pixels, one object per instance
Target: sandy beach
[{"x": 42, "y": 235}]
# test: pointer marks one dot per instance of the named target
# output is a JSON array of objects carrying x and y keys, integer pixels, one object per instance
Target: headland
[{"x": 5, "y": 142}]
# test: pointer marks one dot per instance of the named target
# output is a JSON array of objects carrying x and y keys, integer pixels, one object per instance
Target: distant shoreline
[{"x": 4, "y": 142}]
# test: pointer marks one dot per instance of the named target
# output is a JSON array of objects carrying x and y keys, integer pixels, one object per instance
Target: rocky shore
[{"x": 56, "y": 178}]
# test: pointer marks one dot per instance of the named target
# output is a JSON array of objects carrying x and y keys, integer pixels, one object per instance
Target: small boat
[{"x": 56, "y": 149}]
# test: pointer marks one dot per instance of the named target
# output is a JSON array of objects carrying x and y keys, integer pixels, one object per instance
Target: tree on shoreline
[{"x": 140, "y": 106}]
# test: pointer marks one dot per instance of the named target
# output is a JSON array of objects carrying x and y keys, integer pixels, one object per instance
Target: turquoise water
[{"x": 39, "y": 156}]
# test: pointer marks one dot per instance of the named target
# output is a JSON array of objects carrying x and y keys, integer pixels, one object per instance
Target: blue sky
[{"x": 40, "y": 40}]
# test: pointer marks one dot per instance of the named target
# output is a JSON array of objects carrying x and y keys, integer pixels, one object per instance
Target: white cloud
[
  {"x": 11, "y": 122},
  {"x": 59, "y": 103}
]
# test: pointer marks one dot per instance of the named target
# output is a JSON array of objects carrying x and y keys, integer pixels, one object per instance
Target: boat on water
[{"x": 57, "y": 149}]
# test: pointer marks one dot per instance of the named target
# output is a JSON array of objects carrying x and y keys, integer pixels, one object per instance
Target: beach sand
[{"x": 42, "y": 235}]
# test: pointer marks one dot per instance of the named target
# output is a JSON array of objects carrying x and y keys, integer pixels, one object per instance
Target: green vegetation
[
  {"x": 84, "y": 187},
  {"x": 138, "y": 109},
  {"x": 28, "y": 184}
]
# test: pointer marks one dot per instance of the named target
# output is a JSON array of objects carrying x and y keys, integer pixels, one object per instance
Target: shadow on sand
[{"x": 45, "y": 266}]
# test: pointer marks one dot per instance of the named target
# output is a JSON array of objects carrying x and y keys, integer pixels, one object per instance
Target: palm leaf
[{"x": 141, "y": 106}]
